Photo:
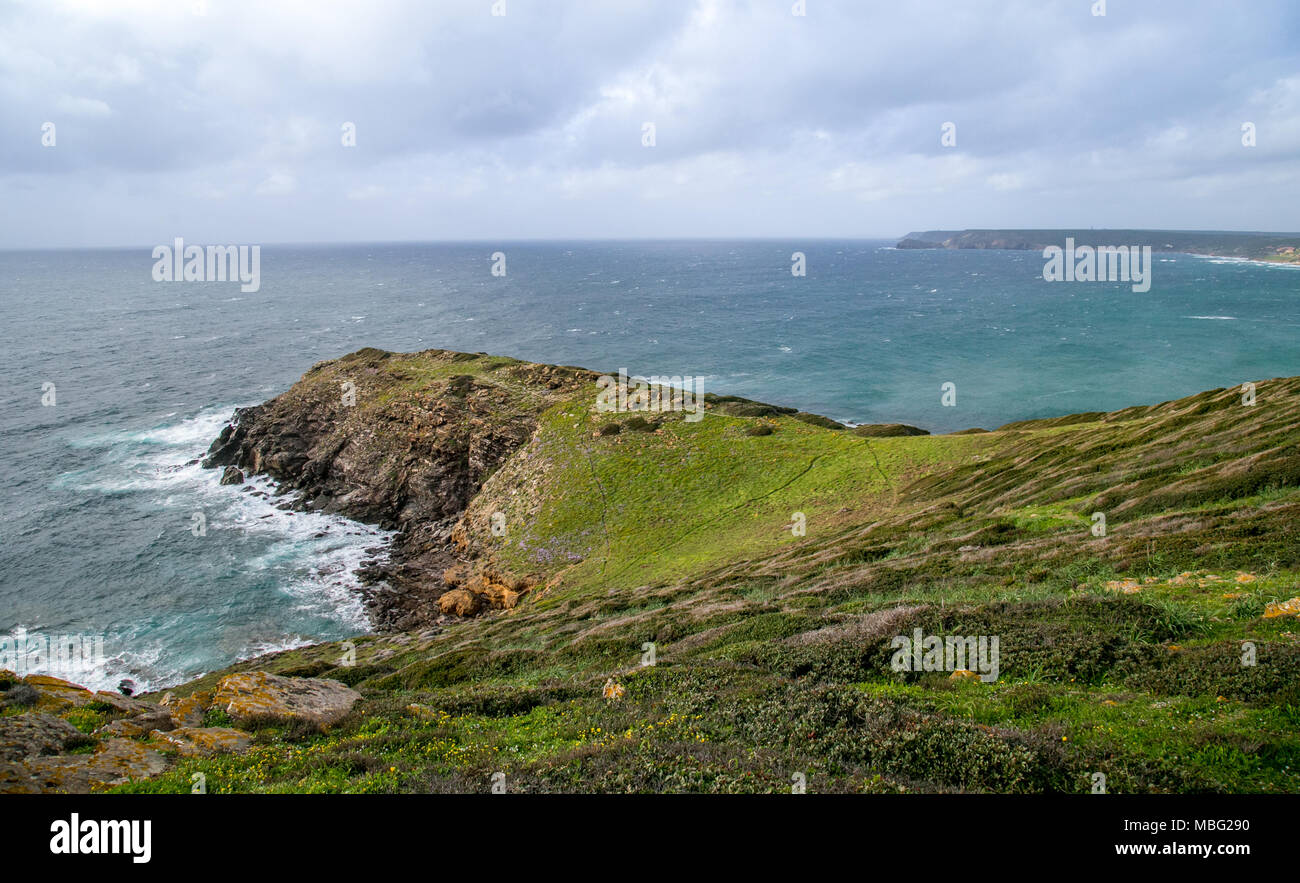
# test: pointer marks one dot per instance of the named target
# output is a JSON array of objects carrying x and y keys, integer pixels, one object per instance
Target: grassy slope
[
  {"x": 643, "y": 507},
  {"x": 773, "y": 650}
]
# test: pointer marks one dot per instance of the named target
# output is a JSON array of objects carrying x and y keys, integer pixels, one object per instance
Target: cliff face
[{"x": 401, "y": 440}]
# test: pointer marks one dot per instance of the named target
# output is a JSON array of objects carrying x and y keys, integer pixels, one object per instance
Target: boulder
[
  {"x": 124, "y": 704},
  {"x": 56, "y": 693},
  {"x": 156, "y": 718},
  {"x": 122, "y": 727},
  {"x": 30, "y": 735},
  {"x": 187, "y": 711},
  {"x": 458, "y": 602},
  {"x": 232, "y": 475},
  {"x": 259, "y": 694},
  {"x": 115, "y": 762}
]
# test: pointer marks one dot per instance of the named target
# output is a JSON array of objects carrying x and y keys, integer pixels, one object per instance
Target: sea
[{"x": 113, "y": 384}]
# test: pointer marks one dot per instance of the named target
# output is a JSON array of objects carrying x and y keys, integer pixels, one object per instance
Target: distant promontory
[{"x": 1281, "y": 247}]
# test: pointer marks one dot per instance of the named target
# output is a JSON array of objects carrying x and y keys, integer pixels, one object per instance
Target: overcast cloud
[{"x": 226, "y": 126}]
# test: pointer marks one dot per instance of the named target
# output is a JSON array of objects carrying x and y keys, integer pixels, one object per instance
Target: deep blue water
[{"x": 96, "y": 504}]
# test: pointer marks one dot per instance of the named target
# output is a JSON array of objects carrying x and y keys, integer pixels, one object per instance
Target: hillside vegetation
[{"x": 710, "y": 606}]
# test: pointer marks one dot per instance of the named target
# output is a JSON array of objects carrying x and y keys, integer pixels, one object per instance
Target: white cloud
[
  {"x": 472, "y": 126},
  {"x": 277, "y": 184},
  {"x": 82, "y": 107}
]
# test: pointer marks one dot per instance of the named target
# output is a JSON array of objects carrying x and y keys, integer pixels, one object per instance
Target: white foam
[{"x": 316, "y": 554}]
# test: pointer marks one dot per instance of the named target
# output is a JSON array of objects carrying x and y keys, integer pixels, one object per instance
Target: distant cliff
[{"x": 1283, "y": 247}]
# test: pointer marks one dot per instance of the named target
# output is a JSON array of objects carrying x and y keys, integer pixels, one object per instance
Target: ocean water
[{"x": 99, "y": 492}]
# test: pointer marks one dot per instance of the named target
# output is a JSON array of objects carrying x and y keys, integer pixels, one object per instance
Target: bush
[
  {"x": 640, "y": 424},
  {"x": 20, "y": 695}
]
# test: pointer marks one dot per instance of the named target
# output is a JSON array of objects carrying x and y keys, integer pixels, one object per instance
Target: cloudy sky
[{"x": 223, "y": 120}]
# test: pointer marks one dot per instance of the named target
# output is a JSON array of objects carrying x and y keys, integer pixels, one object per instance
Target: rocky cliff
[{"x": 404, "y": 441}]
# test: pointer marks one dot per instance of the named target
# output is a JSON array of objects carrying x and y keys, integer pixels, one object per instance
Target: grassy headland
[{"x": 1155, "y": 654}]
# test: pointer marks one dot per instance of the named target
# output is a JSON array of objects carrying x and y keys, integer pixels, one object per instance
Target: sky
[{"x": 224, "y": 121}]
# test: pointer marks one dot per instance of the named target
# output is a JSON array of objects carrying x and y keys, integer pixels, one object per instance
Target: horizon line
[{"x": 587, "y": 239}]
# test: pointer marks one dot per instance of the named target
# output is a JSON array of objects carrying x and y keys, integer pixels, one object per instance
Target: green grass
[
  {"x": 637, "y": 508},
  {"x": 773, "y": 648}
]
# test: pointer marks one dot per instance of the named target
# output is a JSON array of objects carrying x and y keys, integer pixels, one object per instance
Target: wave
[{"x": 256, "y": 540}]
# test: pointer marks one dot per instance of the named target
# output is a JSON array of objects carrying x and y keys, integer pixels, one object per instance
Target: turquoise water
[{"x": 97, "y": 500}]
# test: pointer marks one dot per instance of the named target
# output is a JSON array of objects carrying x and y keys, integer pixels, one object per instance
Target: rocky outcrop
[
  {"x": 35, "y": 734},
  {"x": 187, "y": 711},
  {"x": 258, "y": 696},
  {"x": 56, "y": 693},
  {"x": 887, "y": 430},
  {"x": 41, "y": 751},
  {"x": 403, "y": 441},
  {"x": 114, "y": 762}
]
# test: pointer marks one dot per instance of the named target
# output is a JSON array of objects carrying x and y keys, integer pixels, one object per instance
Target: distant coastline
[{"x": 1272, "y": 248}]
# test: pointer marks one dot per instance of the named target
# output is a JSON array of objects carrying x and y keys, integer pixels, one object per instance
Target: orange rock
[
  {"x": 56, "y": 693},
  {"x": 260, "y": 694},
  {"x": 114, "y": 762},
  {"x": 1280, "y": 608},
  {"x": 458, "y": 602},
  {"x": 187, "y": 711},
  {"x": 202, "y": 741}
]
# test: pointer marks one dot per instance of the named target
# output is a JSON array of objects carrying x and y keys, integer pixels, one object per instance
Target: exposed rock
[
  {"x": 29, "y": 735},
  {"x": 124, "y": 704},
  {"x": 156, "y": 718},
  {"x": 258, "y": 694},
  {"x": 121, "y": 727},
  {"x": 115, "y": 762},
  {"x": 1282, "y": 608},
  {"x": 187, "y": 711},
  {"x": 887, "y": 430},
  {"x": 232, "y": 475},
  {"x": 56, "y": 693},
  {"x": 202, "y": 741},
  {"x": 458, "y": 602},
  {"x": 407, "y": 456}
]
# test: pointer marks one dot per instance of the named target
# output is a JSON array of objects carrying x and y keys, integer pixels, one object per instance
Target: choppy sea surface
[{"x": 99, "y": 494}]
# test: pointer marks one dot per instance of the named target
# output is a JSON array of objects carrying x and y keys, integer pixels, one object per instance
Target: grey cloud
[{"x": 472, "y": 126}]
